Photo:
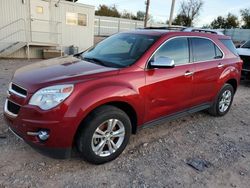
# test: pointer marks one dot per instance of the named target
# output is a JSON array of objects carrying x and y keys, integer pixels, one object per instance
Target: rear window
[{"x": 230, "y": 45}]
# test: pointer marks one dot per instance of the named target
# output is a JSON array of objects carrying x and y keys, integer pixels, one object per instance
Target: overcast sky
[{"x": 160, "y": 9}]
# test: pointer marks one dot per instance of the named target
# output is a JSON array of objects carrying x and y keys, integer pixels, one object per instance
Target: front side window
[
  {"x": 205, "y": 50},
  {"x": 175, "y": 49},
  {"x": 120, "y": 50}
]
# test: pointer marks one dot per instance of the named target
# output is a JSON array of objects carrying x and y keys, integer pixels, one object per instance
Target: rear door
[
  {"x": 168, "y": 90},
  {"x": 208, "y": 60}
]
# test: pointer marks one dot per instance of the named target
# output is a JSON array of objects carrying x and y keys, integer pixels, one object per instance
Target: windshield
[
  {"x": 120, "y": 50},
  {"x": 246, "y": 45}
]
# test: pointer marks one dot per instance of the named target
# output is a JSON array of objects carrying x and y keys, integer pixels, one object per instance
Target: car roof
[{"x": 185, "y": 32}]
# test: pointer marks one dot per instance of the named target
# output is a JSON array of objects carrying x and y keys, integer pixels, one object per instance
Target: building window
[
  {"x": 39, "y": 10},
  {"x": 71, "y": 18},
  {"x": 76, "y": 19},
  {"x": 82, "y": 19}
]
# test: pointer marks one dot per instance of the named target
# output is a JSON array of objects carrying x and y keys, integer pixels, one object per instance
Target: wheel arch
[
  {"x": 231, "y": 75},
  {"x": 129, "y": 110},
  {"x": 233, "y": 82},
  {"x": 124, "y": 106}
]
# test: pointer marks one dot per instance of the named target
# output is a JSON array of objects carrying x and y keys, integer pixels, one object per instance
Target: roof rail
[
  {"x": 211, "y": 31},
  {"x": 172, "y": 28},
  {"x": 186, "y": 29}
]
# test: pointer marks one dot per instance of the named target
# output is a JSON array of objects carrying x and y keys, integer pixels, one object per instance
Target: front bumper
[
  {"x": 58, "y": 153},
  {"x": 33, "y": 119}
]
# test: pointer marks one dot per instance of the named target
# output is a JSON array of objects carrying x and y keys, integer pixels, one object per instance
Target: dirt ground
[{"x": 155, "y": 157}]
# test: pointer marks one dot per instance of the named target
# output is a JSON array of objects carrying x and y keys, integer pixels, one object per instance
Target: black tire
[
  {"x": 214, "y": 110},
  {"x": 92, "y": 122}
]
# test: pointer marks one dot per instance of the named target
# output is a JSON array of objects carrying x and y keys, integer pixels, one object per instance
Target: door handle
[
  {"x": 220, "y": 65},
  {"x": 188, "y": 73}
]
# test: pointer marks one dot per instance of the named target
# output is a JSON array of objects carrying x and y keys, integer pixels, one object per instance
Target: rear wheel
[
  {"x": 223, "y": 101},
  {"x": 104, "y": 135}
]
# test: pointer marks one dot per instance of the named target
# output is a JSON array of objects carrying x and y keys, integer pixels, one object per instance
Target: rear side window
[
  {"x": 230, "y": 45},
  {"x": 176, "y": 49},
  {"x": 205, "y": 50}
]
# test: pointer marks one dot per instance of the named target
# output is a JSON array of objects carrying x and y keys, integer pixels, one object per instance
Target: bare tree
[{"x": 189, "y": 11}]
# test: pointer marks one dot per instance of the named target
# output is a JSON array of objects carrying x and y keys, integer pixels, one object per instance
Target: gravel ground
[{"x": 155, "y": 157}]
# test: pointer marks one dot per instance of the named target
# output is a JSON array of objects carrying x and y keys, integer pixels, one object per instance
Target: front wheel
[
  {"x": 223, "y": 101},
  {"x": 104, "y": 135}
]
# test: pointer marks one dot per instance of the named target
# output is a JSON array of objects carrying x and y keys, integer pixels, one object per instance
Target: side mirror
[{"x": 162, "y": 62}]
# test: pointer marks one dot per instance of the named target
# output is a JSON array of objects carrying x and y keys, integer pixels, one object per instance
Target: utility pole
[
  {"x": 171, "y": 13},
  {"x": 146, "y": 14}
]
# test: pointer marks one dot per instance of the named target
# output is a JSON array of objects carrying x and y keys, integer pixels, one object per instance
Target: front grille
[
  {"x": 18, "y": 90},
  {"x": 246, "y": 62},
  {"x": 13, "y": 107}
]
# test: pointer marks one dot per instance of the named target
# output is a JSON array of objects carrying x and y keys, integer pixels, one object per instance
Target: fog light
[{"x": 43, "y": 135}]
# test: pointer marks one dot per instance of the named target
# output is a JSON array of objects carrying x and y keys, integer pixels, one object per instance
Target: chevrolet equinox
[{"x": 93, "y": 101}]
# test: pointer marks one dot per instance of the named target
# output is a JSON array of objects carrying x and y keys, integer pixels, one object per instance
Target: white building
[{"x": 27, "y": 27}]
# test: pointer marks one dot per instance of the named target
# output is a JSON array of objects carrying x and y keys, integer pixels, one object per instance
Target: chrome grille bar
[{"x": 11, "y": 90}]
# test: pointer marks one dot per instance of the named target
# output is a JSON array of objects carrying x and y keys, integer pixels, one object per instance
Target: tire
[
  {"x": 96, "y": 143},
  {"x": 217, "y": 108}
]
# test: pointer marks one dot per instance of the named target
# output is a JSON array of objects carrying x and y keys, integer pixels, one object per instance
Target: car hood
[
  {"x": 58, "y": 70},
  {"x": 243, "y": 51}
]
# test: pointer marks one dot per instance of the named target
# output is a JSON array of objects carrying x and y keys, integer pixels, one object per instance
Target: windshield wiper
[
  {"x": 100, "y": 62},
  {"x": 95, "y": 60}
]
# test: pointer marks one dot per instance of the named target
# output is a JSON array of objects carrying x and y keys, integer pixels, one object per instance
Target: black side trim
[{"x": 175, "y": 115}]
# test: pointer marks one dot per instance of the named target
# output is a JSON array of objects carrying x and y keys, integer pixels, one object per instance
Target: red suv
[{"x": 94, "y": 100}]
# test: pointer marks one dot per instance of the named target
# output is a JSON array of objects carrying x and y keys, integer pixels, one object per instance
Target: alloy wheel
[
  {"x": 108, "y": 137},
  {"x": 225, "y": 100}
]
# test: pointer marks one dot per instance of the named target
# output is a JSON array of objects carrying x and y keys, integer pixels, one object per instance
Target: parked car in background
[
  {"x": 94, "y": 100},
  {"x": 244, "y": 52}
]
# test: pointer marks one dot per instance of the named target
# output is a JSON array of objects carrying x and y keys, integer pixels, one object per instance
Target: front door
[
  {"x": 169, "y": 90},
  {"x": 40, "y": 21}
]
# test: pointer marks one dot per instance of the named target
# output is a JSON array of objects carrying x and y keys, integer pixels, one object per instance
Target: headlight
[{"x": 50, "y": 97}]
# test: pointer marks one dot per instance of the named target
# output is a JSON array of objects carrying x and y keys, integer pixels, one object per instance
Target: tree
[
  {"x": 127, "y": 15},
  {"x": 218, "y": 23},
  {"x": 140, "y": 15},
  {"x": 189, "y": 11},
  {"x": 104, "y": 10},
  {"x": 181, "y": 20},
  {"x": 245, "y": 14},
  {"x": 231, "y": 21},
  {"x": 206, "y": 26}
]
